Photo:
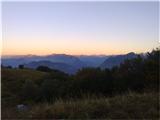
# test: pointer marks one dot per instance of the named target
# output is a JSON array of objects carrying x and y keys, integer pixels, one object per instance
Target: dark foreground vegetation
[{"x": 127, "y": 92}]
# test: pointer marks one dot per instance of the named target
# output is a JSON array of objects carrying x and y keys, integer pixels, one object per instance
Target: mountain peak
[
  {"x": 116, "y": 60},
  {"x": 131, "y": 53}
]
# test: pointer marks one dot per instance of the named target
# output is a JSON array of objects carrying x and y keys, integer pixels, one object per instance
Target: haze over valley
[{"x": 67, "y": 63}]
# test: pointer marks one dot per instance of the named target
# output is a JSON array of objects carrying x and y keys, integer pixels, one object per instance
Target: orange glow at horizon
[
  {"x": 79, "y": 28},
  {"x": 71, "y": 47},
  {"x": 58, "y": 52},
  {"x": 66, "y": 51}
]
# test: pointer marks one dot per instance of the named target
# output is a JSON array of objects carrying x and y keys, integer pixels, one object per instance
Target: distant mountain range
[
  {"x": 66, "y": 63},
  {"x": 62, "y": 58},
  {"x": 116, "y": 60},
  {"x": 93, "y": 60},
  {"x": 59, "y": 66}
]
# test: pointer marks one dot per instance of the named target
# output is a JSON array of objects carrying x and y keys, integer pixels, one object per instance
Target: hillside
[
  {"x": 128, "y": 91},
  {"x": 93, "y": 60},
  {"x": 58, "y": 66},
  {"x": 128, "y": 106},
  {"x": 116, "y": 60},
  {"x": 22, "y": 74},
  {"x": 12, "y": 81},
  {"x": 14, "y": 61}
]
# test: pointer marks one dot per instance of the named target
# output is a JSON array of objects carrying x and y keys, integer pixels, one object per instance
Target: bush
[
  {"x": 43, "y": 69},
  {"x": 29, "y": 91},
  {"x": 21, "y": 66}
]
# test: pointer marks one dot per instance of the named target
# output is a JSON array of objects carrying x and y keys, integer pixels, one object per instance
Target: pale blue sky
[{"x": 79, "y": 27}]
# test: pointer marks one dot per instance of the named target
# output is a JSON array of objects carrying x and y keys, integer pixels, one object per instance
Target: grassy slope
[
  {"x": 132, "y": 105},
  {"x": 21, "y": 74},
  {"x": 129, "y": 106},
  {"x": 12, "y": 81}
]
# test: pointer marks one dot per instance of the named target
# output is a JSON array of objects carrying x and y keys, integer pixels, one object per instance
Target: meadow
[{"x": 129, "y": 106}]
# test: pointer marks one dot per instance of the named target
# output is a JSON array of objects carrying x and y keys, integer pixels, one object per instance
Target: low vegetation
[
  {"x": 128, "y": 106},
  {"x": 127, "y": 91}
]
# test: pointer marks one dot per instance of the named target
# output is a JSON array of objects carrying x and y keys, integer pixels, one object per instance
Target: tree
[
  {"x": 50, "y": 89},
  {"x": 10, "y": 67},
  {"x": 152, "y": 65},
  {"x": 21, "y": 66},
  {"x": 94, "y": 80},
  {"x": 43, "y": 69},
  {"x": 29, "y": 91}
]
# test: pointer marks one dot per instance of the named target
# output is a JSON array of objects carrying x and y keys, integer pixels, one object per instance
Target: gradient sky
[{"x": 79, "y": 27}]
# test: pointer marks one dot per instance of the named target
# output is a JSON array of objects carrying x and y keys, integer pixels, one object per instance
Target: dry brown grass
[{"x": 129, "y": 106}]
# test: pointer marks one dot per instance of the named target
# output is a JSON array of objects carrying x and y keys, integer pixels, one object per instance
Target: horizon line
[{"x": 10, "y": 55}]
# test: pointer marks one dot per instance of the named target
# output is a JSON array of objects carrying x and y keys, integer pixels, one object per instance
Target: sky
[{"x": 78, "y": 28}]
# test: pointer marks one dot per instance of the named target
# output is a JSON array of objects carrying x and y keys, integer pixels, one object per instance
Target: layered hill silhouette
[
  {"x": 53, "y": 65},
  {"x": 66, "y": 63},
  {"x": 116, "y": 60}
]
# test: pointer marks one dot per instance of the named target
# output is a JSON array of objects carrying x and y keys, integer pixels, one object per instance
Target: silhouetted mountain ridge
[
  {"x": 117, "y": 60},
  {"x": 67, "y": 63},
  {"x": 57, "y": 65}
]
